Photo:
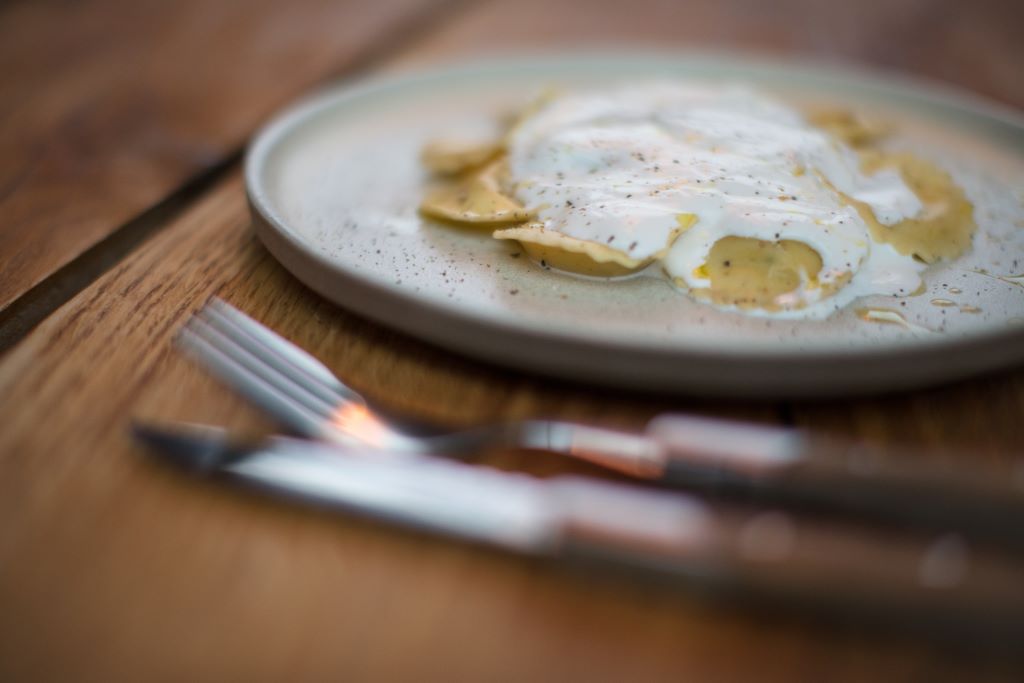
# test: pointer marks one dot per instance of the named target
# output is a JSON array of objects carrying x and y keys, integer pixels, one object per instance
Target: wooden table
[{"x": 122, "y": 208}]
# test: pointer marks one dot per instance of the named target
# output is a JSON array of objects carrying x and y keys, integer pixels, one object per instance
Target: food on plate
[
  {"x": 480, "y": 195},
  {"x": 742, "y": 201}
]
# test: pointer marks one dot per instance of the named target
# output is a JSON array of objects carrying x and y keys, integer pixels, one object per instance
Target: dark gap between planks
[{"x": 55, "y": 290}]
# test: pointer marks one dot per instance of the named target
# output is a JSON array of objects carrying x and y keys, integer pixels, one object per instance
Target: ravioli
[
  {"x": 585, "y": 257},
  {"x": 582, "y": 257},
  {"x": 742, "y": 201},
  {"x": 749, "y": 273},
  {"x": 850, "y": 127},
  {"x": 477, "y": 197},
  {"x": 943, "y": 231},
  {"x": 451, "y": 157}
]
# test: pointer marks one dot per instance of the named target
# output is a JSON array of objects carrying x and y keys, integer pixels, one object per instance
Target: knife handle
[
  {"x": 788, "y": 466},
  {"x": 937, "y": 582}
]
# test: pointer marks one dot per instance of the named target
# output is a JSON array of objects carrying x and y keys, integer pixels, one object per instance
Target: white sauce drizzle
[{"x": 618, "y": 166}]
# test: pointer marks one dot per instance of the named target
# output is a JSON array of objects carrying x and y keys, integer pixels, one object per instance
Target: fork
[
  {"x": 766, "y": 463},
  {"x": 304, "y": 395}
]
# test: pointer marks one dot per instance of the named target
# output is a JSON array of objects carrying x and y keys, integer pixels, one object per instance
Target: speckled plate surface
[{"x": 334, "y": 183}]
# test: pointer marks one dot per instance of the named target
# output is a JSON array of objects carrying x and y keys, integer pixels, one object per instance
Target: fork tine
[
  {"x": 280, "y": 380},
  {"x": 283, "y": 379},
  {"x": 289, "y": 411},
  {"x": 266, "y": 361},
  {"x": 275, "y": 348}
]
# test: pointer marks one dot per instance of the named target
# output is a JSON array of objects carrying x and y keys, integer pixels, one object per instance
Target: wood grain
[
  {"x": 107, "y": 107},
  {"x": 973, "y": 45},
  {"x": 112, "y": 568}
]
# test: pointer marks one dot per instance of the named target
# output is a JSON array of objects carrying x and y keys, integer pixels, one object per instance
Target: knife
[
  {"x": 759, "y": 463},
  {"x": 938, "y": 585}
]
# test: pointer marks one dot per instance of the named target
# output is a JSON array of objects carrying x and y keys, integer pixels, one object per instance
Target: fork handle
[{"x": 788, "y": 466}]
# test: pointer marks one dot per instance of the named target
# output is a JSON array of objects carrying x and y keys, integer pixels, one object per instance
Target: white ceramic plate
[{"x": 334, "y": 183}]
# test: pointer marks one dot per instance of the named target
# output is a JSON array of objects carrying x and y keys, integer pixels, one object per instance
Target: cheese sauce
[{"x": 666, "y": 171}]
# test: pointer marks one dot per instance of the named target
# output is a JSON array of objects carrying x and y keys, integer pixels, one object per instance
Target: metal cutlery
[
  {"x": 937, "y": 584},
  {"x": 764, "y": 463}
]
